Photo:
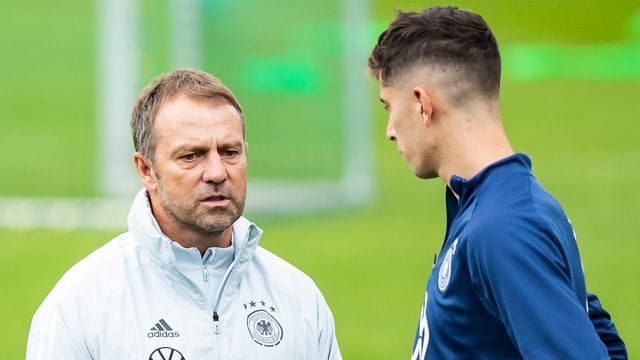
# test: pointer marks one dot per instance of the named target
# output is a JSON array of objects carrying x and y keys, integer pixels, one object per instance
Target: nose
[
  {"x": 214, "y": 170},
  {"x": 391, "y": 132}
]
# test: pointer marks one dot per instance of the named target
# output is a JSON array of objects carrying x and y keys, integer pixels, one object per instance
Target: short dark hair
[
  {"x": 195, "y": 84},
  {"x": 443, "y": 36}
]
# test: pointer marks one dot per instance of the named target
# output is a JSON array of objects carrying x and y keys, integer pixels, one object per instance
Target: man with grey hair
[{"x": 188, "y": 279}]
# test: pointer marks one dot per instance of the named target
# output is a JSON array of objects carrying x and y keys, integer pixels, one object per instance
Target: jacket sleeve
[
  {"x": 606, "y": 329},
  {"x": 56, "y": 331},
  {"x": 520, "y": 275},
  {"x": 327, "y": 343}
]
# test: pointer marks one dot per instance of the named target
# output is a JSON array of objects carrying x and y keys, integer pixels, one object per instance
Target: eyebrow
[
  {"x": 232, "y": 143},
  {"x": 200, "y": 148},
  {"x": 187, "y": 148}
]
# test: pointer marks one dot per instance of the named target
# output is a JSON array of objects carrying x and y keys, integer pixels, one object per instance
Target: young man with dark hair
[{"x": 508, "y": 282}]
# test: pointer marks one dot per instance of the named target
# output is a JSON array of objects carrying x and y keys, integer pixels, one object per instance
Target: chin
[
  {"x": 425, "y": 173},
  {"x": 426, "y": 177}
]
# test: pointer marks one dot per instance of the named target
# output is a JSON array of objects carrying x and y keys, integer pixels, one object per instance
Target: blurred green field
[{"x": 371, "y": 262}]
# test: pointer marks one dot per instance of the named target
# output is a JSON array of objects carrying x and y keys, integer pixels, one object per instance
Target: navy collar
[{"x": 465, "y": 187}]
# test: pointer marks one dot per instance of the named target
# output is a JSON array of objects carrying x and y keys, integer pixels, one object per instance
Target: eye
[
  {"x": 230, "y": 153},
  {"x": 385, "y": 105},
  {"x": 189, "y": 157}
]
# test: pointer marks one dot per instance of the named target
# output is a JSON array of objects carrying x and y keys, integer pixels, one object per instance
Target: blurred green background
[{"x": 569, "y": 99}]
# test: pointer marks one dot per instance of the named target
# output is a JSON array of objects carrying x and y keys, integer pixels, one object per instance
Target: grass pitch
[{"x": 372, "y": 262}]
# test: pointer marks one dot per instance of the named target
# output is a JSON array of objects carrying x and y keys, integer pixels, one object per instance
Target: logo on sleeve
[
  {"x": 263, "y": 327},
  {"x": 444, "y": 275}
]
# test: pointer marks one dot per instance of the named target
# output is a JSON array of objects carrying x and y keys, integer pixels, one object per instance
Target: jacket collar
[
  {"x": 145, "y": 228},
  {"x": 464, "y": 188}
]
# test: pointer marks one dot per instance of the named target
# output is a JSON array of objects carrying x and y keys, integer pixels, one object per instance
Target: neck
[
  {"x": 187, "y": 236},
  {"x": 477, "y": 140}
]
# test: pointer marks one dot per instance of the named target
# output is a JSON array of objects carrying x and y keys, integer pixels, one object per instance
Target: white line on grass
[{"x": 262, "y": 197}]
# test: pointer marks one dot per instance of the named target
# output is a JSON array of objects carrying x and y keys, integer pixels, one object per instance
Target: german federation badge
[
  {"x": 264, "y": 328},
  {"x": 444, "y": 275}
]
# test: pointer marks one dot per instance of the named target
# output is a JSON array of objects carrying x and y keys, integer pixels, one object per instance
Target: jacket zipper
[
  {"x": 216, "y": 325},
  {"x": 216, "y": 305},
  {"x": 216, "y": 316},
  {"x": 205, "y": 273},
  {"x": 216, "y": 322}
]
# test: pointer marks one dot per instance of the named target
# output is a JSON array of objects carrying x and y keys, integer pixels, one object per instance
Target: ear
[
  {"x": 425, "y": 101},
  {"x": 145, "y": 171}
]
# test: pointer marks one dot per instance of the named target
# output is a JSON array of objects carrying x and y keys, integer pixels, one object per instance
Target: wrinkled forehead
[
  {"x": 216, "y": 100},
  {"x": 184, "y": 113},
  {"x": 199, "y": 102}
]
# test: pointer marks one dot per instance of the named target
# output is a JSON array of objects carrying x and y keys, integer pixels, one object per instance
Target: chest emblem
[
  {"x": 444, "y": 275},
  {"x": 262, "y": 324}
]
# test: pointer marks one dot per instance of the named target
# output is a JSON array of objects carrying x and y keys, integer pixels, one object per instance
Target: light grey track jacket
[{"x": 127, "y": 300}]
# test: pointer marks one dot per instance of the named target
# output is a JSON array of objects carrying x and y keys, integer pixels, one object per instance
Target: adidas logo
[{"x": 162, "y": 329}]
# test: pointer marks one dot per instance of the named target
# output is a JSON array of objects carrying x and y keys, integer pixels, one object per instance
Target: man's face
[
  {"x": 407, "y": 127},
  {"x": 200, "y": 165}
]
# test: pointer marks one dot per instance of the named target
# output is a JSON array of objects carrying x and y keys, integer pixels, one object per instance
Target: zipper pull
[
  {"x": 205, "y": 273},
  {"x": 216, "y": 322}
]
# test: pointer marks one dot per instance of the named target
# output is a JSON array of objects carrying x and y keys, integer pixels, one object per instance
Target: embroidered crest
[
  {"x": 444, "y": 275},
  {"x": 262, "y": 324}
]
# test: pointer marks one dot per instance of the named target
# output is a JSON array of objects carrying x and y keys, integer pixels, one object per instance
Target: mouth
[{"x": 215, "y": 200}]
